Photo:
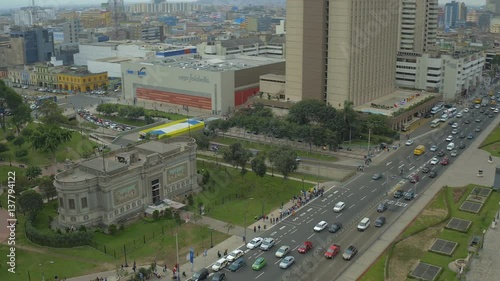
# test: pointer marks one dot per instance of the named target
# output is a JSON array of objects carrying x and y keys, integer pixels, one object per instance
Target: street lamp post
[
  {"x": 211, "y": 238},
  {"x": 369, "y": 137},
  {"x": 177, "y": 249}
]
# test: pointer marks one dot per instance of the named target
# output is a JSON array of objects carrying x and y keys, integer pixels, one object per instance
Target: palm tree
[{"x": 350, "y": 119}]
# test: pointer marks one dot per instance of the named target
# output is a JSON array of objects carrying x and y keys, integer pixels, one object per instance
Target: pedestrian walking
[
  {"x": 225, "y": 252},
  {"x": 218, "y": 254},
  {"x": 254, "y": 229},
  {"x": 259, "y": 227}
]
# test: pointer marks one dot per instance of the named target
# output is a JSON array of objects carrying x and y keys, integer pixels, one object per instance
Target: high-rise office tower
[
  {"x": 340, "y": 50},
  {"x": 455, "y": 14},
  {"x": 418, "y": 26}
]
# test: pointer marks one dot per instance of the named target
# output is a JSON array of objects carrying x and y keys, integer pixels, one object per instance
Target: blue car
[{"x": 237, "y": 264}]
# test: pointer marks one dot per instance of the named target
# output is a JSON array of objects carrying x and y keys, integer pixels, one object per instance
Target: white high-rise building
[{"x": 418, "y": 25}]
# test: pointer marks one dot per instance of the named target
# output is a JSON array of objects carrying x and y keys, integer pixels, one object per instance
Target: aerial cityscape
[{"x": 277, "y": 140}]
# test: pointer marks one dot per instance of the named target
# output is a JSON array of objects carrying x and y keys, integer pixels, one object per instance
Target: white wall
[
  {"x": 91, "y": 52},
  {"x": 113, "y": 69}
]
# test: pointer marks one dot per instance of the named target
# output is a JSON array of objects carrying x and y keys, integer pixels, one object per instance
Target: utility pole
[
  {"x": 177, "y": 249},
  {"x": 369, "y": 136}
]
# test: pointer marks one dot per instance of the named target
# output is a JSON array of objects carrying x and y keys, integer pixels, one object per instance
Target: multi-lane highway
[{"x": 361, "y": 195}]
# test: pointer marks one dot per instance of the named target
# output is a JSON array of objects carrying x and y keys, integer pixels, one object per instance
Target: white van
[
  {"x": 450, "y": 146},
  {"x": 364, "y": 224}
]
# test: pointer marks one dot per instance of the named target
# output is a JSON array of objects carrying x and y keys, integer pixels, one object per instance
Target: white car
[
  {"x": 320, "y": 226},
  {"x": 234, "y": 255},
  {"x": 466, "y": 110},
  {"x": 254, "y": 243},
  {"x": 496, "y": 110},
  {"x": 339, "y": 207},
  {"x": 409, "y": 142},
  {"x": 282, "y": 251},
  {"x": 267, "y": 244},
  {"x": 449, "y": 138},
  {"x": 454, "y": 132},
  {"x": 434, "y": 160},
  {"x": 454, "y": 126},
  {"x": 433, "y": 148},
  {"x": 220, "y": 264}
]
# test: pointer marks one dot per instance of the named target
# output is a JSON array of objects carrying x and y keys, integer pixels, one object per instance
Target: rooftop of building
[
  {"x": 212, "y": 63},
  {"x": 390, "y": 104},
  {"x": 439, "y": 53},
  {"x": 115, "y": 60},
  {"x": 118, "y": 161},
  {"x": 274, "y": 77}
]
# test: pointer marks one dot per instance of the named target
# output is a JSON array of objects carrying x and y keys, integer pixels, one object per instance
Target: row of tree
[
  {"x": 312, "y": 121},
  {"x": 21, "y": 113}
]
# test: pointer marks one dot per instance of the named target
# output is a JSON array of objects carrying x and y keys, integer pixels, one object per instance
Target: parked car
[
  {"x": 382, "y": 207},
  {"x": 380, "y": 222},
  {"x": 332, "y": 251},
  {"x": 409, "y": 195},
  {"x": 350, "y": 253}
]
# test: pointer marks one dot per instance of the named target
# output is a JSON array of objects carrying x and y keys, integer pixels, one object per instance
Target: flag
[{"x": 191, "y": 255}]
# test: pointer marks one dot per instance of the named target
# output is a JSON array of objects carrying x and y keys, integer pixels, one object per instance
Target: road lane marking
[
  {"x": 310, "y": 236},
  {"x": 363, "y": 198},
  {"x": 338, "y": 215},
  {"x": 392, "y": 167},
  {"x": 281, "y": 228},
  {"x": 329, "y": 196},
  {"x": 388, "y": 163},
  {"x": 259, "y": 275},
  {"x": 310, "y": 209},
  {"x": 350, "y": 195},
  {"x": 293, "y": 232},
  {"x": 374, "y": 190},
  {"x": 335, "y": 192},
  {"x": 351, "y": 206},
  {"x": 324, "y": 211},
  {"x": 411, "y": 168},
  {"x": 362, "y": 187},
  {"x": 279, "y": 260},
  {"x": 302, "y": 214},
  {"x": 309, "y": 221},
  {"x": 324, "y": 200},
  {"x": 372, "y": 181},
  {"x": 295, "y": 248},
  {"x": 401, "y": 166},
  {"x": 274, "y": 233}
]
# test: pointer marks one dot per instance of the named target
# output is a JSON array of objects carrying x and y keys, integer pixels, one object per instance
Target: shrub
[
  {"x": 156, "y": 214},
  {"x": 10, "y": 137},
  {"x": 57, "y": 239},
  {"x": 21, "y": 153},
  {"x": 112, "y": 229}
]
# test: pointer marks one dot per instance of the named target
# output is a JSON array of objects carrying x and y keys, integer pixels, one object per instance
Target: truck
[{"x": 419, "y": 150}]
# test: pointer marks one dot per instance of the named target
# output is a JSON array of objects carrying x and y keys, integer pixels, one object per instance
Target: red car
[
  {"x": 444, "y": 162},
  {"x": 332, "y": 251},
  {"x": 304, "y": 248}
]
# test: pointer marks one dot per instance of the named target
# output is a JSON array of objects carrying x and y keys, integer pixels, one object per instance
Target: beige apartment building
[
  {"x": 341, "y": 50},
  {"x": 418, "y": 25}
]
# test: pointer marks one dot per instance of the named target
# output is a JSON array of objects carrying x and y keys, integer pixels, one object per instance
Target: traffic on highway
[{"x": 323, "y": 237}]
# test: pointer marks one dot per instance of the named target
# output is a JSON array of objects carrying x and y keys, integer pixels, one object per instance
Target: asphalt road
[{"x": 361, "y": 195}]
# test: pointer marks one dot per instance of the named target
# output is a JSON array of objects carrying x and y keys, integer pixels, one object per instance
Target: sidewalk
[{"x": 456, "y": 175}]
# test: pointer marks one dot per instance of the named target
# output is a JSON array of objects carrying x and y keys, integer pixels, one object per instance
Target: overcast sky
[{"x": 7, "y": 4}]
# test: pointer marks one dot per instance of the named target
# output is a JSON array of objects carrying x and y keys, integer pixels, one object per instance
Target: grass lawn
[
  {"x": 415, "y": 247},
  {"x": 123, "y": 120},
  {"x": 249, "y": 144},
  {"x": 233, "y": 194},
  {"x": 492, "y": 142},
  {"x": 308, "y": 177},
  {"x": 480, "y": 222},
  {"x": 73, "y": 149},
  {"x": 163, "y": 114}
]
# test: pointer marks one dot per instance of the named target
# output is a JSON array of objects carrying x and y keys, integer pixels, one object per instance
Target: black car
[
  {"x": 335, "y": 227},
  {"x": 466, "y": 121},
  {"x": 398, "y": 193},
  {"x": 219, "y": 276},
  {"x": 409, "y": 195},
  {"x": 490, "y": 116},
  {"x": 380, "y": 222},
  {"x": 449, "y": 105},
  {"x": 461, "y": 146},
  {"x": 432, "y": 174},
  {"x": 481, "y": 110},
  {"x": 462, "y": 136},
  {"x": 237, "y": 264},
  {"x": 428, "y": 115},
  {"x": 382, "y": 207},
  {"x": 202, "y": 274},
  {"x": 441, "y": 153},
  {"x": 426, "y": 169},
  {"x": 451, "y": 122},
  {"x": 470, "y": 136}
]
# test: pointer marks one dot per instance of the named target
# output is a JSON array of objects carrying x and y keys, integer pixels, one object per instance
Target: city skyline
[{"x": 6, "y": 4}]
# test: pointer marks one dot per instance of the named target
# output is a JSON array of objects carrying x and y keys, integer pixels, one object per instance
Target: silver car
[
  {"x": 267, "y": 244},
  {"x": 282, "y": 251},
  {"x": 287, "y": 262}
]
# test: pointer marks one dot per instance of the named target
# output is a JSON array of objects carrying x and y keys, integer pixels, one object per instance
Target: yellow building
[
  {"x": 44, "y": 76},
  {"x": 82, "y": 80},
  {"x": 495, "y": 25},
  {"x": 95, "y": 18}
]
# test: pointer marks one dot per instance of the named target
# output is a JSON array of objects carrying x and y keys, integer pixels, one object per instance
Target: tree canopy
[{"x": 49, "y": 137}]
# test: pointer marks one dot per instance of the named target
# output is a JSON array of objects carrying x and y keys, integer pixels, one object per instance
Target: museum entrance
[{"x": 155, "y": 189}]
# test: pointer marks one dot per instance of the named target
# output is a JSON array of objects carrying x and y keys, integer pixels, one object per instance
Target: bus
[
  {"x": 435, "y": 123},
  {"x": 172, "y": 129},
  {"x": 419, "y": 150}
]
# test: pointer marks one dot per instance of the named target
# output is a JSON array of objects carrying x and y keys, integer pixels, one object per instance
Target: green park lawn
[
  {"x": 235, "y": 195},
  {"x": 73, "y": 149},
  {"x": 251, "y": 144},
  {"x": 492, "y": 142},
  {"x": 436, "y": 213}
]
